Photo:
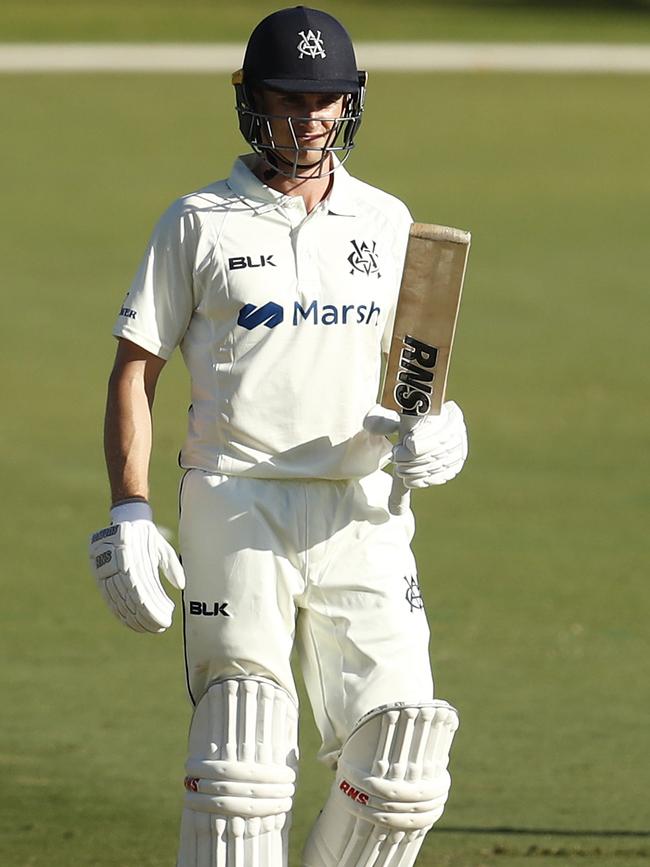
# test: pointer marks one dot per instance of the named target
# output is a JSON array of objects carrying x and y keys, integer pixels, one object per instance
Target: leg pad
[
  {"x": 240, "y": 776},
  {"x": 391, "y": 787}
]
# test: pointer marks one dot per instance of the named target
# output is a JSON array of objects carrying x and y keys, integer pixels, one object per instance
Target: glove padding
[
  {"x": 125, "y": 558},
  {"x": 432, "y": 453}
]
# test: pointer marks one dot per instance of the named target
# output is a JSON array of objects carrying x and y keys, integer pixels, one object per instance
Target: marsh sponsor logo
[
  {"x": 333, "y": 314},
  {"x": 269, "y": 314},
  {"x": 312, "y": 313}
]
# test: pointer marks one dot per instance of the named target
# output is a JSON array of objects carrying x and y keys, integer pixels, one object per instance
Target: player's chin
[
  {"x": 306, "y": 161},
  {"x": 313, "y": 157},
  {"x": 310, "y": 155}
]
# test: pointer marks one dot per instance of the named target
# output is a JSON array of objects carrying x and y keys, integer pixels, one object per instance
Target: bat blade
[{"x": 424, "y": 328}]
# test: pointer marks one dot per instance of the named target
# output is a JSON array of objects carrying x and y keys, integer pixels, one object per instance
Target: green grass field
[
  {"x": 217, "y": 20},
  {"x": 532, "y": 562}
]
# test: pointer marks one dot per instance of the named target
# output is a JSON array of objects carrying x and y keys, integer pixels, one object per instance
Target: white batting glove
[
  {"x": 430, "y": 454},
  {"x": 125, "y": 559}
]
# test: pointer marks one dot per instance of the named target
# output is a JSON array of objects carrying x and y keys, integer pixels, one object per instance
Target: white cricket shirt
[{"x": 281, "y": 317}]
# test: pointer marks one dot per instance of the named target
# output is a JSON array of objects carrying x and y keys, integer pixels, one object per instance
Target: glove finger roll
[{"x": 171, "y": 566}]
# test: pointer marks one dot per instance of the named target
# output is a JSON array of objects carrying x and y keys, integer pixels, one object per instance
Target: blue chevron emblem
[{"x": 269, "y": 314}]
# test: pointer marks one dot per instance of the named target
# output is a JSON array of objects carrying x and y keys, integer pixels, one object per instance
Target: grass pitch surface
[{"x": 531, "y": 562}]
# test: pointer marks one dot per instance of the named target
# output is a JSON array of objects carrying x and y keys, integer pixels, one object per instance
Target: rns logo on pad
[{"x": 272, "y": 314}]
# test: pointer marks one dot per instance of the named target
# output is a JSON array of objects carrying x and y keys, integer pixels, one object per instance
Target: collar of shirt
[{"x": 245, "y": 184}]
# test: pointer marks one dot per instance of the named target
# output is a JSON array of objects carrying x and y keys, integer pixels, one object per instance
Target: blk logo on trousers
[{"x": 212, "y": 609}]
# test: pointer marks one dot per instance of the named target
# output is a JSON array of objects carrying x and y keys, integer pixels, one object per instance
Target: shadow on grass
[{"x": 540, "y": 832}]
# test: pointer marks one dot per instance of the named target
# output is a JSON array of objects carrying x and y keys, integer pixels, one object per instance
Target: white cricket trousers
[{"x": 321, "y": 564}]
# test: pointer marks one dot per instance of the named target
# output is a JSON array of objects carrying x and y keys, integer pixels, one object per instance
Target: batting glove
[
  {"x": 125, "y": 559},
  {"x": 433, "y": 452}
]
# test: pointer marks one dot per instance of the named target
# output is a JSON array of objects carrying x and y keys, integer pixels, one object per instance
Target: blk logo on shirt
[{"x": 237, "y": 262}]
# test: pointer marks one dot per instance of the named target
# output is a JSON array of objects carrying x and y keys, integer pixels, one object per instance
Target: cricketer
[{"x": 279, "y": 285}]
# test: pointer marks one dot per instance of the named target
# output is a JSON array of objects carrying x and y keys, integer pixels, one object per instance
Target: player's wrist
[{"x": 131, "y": 509}]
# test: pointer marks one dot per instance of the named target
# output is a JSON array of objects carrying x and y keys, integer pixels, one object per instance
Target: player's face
[{"x": 302, "y": 121}]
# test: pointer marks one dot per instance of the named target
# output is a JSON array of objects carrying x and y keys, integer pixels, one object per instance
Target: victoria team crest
[
  {"x": 413, "y": 594},
  {"x": 363, "y": 258},
  {"x": 311, "y": 44}
]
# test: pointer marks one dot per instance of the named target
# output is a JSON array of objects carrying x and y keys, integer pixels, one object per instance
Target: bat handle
[{"x": 398, "y": 500}]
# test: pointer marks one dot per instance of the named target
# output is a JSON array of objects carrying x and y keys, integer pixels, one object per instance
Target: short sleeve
[
  {"x": 158, "y": 306},
  {"x": 402, "y": 224}
]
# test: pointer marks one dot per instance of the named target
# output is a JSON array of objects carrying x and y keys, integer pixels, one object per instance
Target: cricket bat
[{"x": 423, "y": 333}]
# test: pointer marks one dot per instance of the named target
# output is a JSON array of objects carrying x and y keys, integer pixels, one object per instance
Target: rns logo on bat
[
  {"x": 313, "y": 313},
  {"x": 414, "y": 387}
]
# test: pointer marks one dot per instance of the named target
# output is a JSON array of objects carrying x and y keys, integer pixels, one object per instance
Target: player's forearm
[{"x": 127, "y": 436}]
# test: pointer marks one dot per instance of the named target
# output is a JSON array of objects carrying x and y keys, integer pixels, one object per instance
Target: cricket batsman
[{"x": 279, "y": 285}]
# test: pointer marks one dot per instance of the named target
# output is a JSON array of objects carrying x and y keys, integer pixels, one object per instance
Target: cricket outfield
[{"x": 531, "y": 563}]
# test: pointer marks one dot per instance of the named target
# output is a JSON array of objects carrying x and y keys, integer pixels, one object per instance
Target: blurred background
[{"x": 533, "y": 563}]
